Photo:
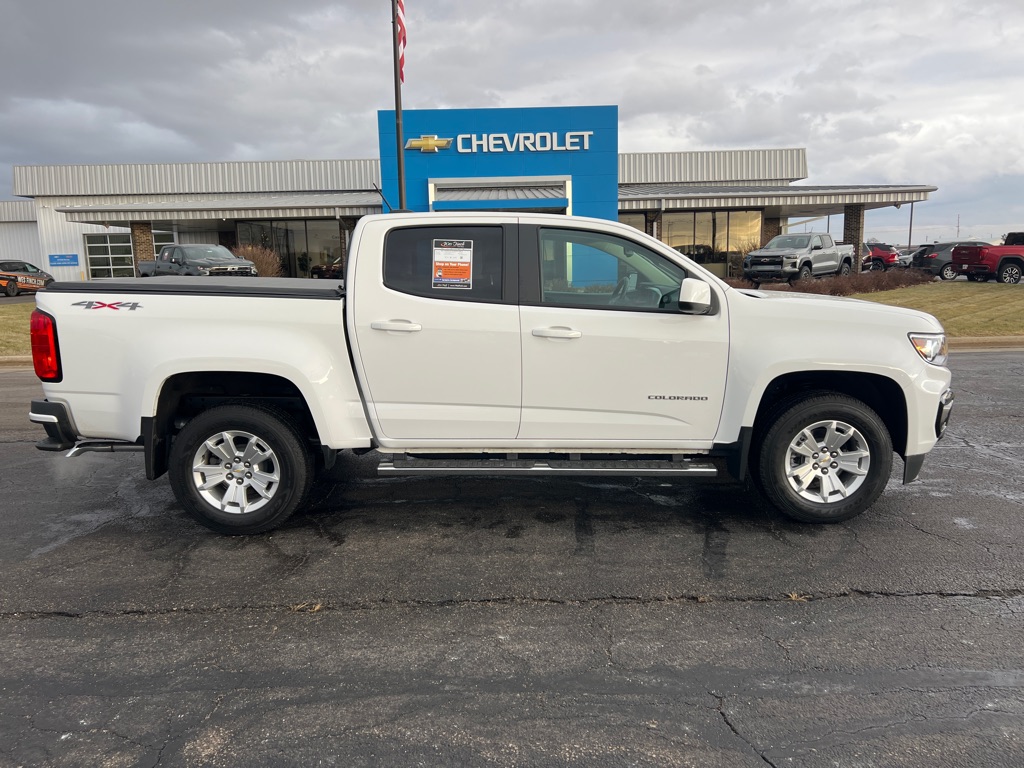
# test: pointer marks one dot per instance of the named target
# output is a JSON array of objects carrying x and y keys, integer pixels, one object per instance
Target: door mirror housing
[{"x": 695, "y": 297}]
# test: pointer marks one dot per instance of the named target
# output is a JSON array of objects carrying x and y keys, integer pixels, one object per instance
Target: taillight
[{"x": 45, "y": 355}]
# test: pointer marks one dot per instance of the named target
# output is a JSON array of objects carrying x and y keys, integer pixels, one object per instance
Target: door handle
[
  {"x": 558, "y": 332},
  {"x": 403, "y": 326}
]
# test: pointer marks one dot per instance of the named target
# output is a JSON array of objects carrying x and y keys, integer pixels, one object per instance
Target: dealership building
[{"x": 96, "y": 221}]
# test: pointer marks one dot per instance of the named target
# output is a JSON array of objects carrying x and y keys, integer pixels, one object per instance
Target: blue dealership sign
[
  {"x": 506, "y": 149},
  {"x": 63, "y": 259}
]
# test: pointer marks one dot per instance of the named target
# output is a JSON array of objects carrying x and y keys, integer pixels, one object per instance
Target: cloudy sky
[{"x": 907, "y": 92}]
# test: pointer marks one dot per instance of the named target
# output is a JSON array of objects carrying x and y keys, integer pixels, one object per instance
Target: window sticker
[{"x": 453, "y": 264}]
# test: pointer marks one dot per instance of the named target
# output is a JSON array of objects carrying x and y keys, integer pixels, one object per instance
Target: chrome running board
[{"x": 400, "y": 464}]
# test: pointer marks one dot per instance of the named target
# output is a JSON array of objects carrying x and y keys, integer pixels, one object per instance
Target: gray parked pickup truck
[
  {"x": 796, "y": 257},
  {"x": 197, "y": 260}
]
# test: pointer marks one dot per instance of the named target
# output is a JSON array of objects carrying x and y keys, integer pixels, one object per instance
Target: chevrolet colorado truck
[
  {"x": 489, "y": 344},
  {"x": 196, "y": 260},
  {"x": 983, "y": 262},
  {"x": 798, "y": 257}
]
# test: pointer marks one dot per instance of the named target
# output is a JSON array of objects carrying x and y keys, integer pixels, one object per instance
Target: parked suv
[
  {"x": 937, "y": 258},
  {"x": 880, "y": 257}
]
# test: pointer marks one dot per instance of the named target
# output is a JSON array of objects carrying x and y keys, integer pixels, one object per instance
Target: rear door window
[{"x": 453, "y": 263}]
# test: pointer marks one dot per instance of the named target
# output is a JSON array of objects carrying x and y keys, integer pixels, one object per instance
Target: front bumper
[{"x": 912, "y": 463}]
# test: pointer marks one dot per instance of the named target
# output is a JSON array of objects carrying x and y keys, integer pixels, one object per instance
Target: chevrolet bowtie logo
[{"x": 428, "y": 143}]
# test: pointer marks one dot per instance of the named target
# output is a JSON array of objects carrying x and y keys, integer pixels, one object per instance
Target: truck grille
[{"x": 231, "y": 271}]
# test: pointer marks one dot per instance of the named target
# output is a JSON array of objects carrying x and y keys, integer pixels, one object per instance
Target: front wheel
[
  {"x": 1009, "y": 274},
  {"x": 240, "y": 469},
  {"x": 824, "y": 458},
  {"x": 947, "y": 272}
]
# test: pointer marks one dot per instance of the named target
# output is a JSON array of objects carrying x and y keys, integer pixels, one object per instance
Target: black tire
[
  {"x": 275, "y": 485},
  {"x": 1009, "y": 274},
  {"x": 845, "y": 269},
  {"x": 947, "y": 272},
  {"x": 877, "y": 265},
  {"x": 780, "y": 451},
  {"x": 11, "y": 289},
  {"x": 805, "y": 272}
]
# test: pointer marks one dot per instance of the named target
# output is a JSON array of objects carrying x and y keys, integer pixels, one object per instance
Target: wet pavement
[{"x": 518, "y": 622}]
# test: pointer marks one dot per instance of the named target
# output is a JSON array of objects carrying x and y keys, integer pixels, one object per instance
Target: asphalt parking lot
[{"x": 518, "y": 622}]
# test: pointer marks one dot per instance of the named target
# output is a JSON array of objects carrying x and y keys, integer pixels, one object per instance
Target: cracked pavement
[{"x": 518, "y": 621}]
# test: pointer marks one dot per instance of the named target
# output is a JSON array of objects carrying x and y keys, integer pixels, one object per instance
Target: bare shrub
[
  {"x": 267, "y": 262},
  {"x": 836, "y": 285}
]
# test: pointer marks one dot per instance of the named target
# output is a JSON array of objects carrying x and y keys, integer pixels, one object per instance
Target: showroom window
[{"x": 717, "y": 239}]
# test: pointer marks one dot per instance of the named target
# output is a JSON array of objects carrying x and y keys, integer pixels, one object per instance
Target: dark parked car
[
  {"x": 203, "y": 260},
  {"x": 333, "y": 271},
  {"x": 937, "y": 258},
  {"x": 18, "y": 276}
]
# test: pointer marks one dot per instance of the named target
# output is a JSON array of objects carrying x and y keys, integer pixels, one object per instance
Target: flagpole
[{"x": 398, "y": 106}]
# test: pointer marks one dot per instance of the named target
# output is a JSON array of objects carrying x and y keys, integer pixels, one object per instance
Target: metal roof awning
[
  {"x": 535, "y": 193},
  {"x": 293, "y": 206},
  {"x": 775, "y": 201}
]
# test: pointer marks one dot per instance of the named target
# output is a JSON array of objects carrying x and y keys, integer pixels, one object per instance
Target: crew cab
[
  {"x": 197, "y": 260},
  {"x": 798, "y": 257},
  {"x": 984, "y": 262},
  {"x": 490, "y": 344}
]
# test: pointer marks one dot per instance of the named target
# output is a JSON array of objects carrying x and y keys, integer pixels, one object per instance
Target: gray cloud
[{"x": 878, "y": 92}]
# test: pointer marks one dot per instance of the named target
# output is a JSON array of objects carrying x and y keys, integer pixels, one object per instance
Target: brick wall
[
  {"x": 142, "y": 243},
  {"x": 770, "y": 228}
]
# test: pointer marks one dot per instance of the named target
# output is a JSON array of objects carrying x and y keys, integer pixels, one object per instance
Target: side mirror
[
  {"x": 816, "y": 247},
  {"x": 694, "y": 297},
  {"x": 174, "y": 259}
]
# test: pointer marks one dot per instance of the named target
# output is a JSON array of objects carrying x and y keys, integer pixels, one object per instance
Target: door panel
[
  {"x": 626, "y": 376},
  {"x": 607, "y": 356},
  {"x": 439, "y": 365}
]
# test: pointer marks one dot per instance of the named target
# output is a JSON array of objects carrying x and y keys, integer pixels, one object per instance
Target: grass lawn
[
  {"x": 14, "y": 329},
  {"x": 964, "y": 309}
]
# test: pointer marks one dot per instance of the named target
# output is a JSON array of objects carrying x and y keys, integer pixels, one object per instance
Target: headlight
[{"x": 931, "y": 347}]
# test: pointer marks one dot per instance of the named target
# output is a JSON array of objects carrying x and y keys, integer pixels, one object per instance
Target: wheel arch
[
  {"x": 883, "y": 395},
  {"x": 183, "y": 395},
  {"x": 1010, "y": 258}
]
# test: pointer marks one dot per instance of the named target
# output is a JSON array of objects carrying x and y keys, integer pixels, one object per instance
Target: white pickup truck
[{"x": 489, "y": 344}]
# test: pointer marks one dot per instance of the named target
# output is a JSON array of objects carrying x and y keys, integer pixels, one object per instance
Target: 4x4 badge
[{"x": 130, "y": 306}]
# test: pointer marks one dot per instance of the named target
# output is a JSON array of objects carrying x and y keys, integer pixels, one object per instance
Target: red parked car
[{"x": 880, "y": 256}]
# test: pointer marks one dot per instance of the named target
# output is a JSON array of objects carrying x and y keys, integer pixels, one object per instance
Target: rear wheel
[
  {"x": 1009, "y": 274},
  {"x": 877, "y": 265},
  {"x": 947, "y": 272},
  {"x": 823, "y": 458},
  {"x": 11, "y": 289},
  {"x": 240, "y": 469},
  {"x": 844, "y": 269}
]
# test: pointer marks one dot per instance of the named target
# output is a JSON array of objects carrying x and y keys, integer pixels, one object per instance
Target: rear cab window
[{"x": 452, "y": 263}]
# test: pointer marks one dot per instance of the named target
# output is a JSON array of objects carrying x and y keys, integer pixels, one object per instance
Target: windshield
[
  {"x": 209, "y": 252},
  {"x": 787, "y": 241}
]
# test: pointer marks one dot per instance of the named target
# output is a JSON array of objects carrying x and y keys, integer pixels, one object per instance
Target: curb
[
  {"x": 16, "y": 362},
  {"x": 986, "y": 342}
]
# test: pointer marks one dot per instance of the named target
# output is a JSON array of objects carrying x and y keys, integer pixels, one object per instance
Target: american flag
[{"x": 400, "y": 21}]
